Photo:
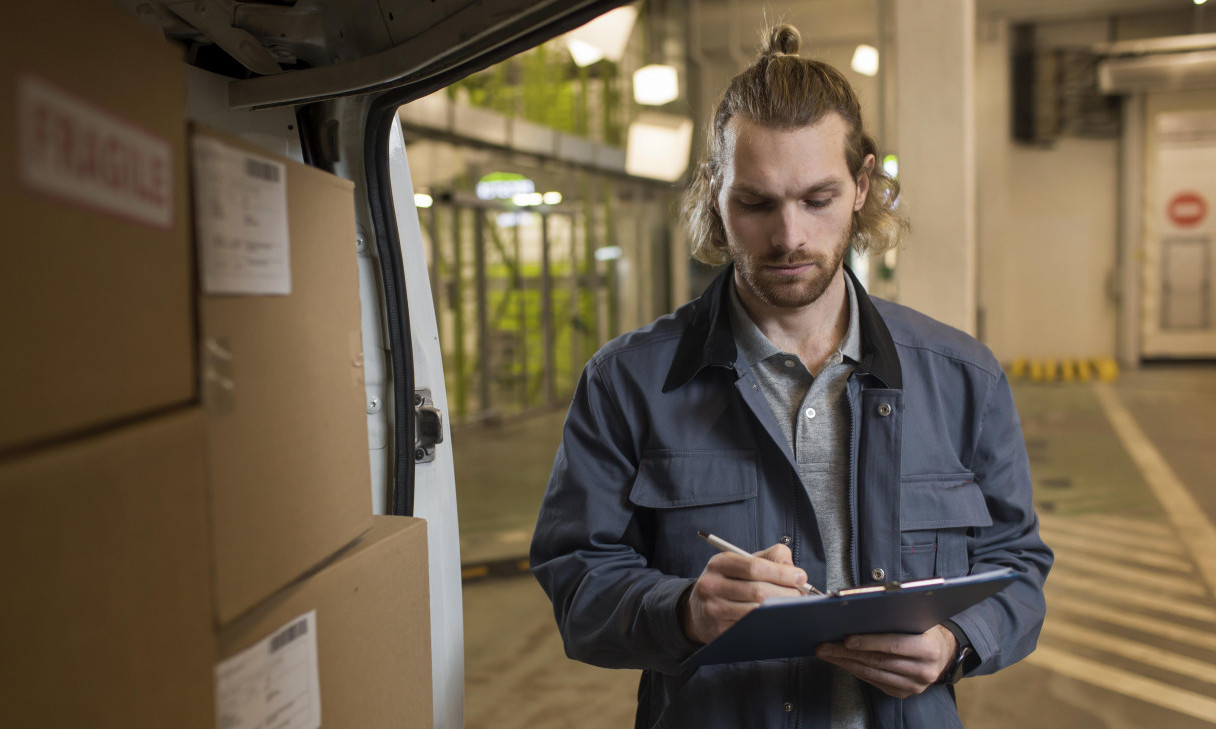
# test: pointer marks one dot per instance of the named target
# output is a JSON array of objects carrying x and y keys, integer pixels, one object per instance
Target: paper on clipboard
[{"x": 793, "y": 626}]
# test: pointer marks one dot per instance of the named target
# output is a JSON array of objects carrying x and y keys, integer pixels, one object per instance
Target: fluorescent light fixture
[
  {"x": 655, "y": 84},
  {"x": 890, "y": 165},
  {"x": 608, "y": 34},
  {"x": 658, "y": 146},
  {"x": 865, "y": 60},
  {"x": 584, "y": 54},
  {"x": 528, "y": 199},
  {"x": 553, "y": 198},
  {"x": 1200, "y": 2},
  {"x": 608, "y": 253},
  {"x": 503, "y": 186},
  {"x": 423, "y": 200}
]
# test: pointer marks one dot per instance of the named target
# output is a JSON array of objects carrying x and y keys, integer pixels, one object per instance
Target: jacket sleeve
[
  {"x": 1004, "y": 629},
  {"x": 587, "y": 551}
]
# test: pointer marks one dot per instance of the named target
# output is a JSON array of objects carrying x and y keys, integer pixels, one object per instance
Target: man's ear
[{"x": 863, "y": 182}]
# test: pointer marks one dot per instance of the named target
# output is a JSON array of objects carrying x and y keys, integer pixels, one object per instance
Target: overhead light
[
  {"x": 423, "y": 200},
  {"x": 1200, "y": 2},
  {"x": 552, "y": 198},
  {"x": 584, "y": 54},
  {"x": 607, "y": 35},
  {"x": 528, "y": 199},
  {"x": 655, "y": 84},
  {"x": 865, "y": 60},
  {"x": 608, "y": 253},
  {"x": 658, "y": 146}
]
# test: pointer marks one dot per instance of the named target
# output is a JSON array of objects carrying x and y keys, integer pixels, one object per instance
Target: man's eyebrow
[{"x": 830, "y": 184}]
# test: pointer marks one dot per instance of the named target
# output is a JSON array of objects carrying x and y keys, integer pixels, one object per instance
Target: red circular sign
[{"x": 1187, "y": 209}]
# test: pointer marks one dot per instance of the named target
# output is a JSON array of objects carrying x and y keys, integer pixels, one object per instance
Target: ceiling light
[
  {"x": 656, "y": 84},
  {"x": 865, "y": 60},
  {"x": 584, "y": 54},
  {"x": 528, "y": 199},
  {"x": 423, "y": 200},
  {"x": 553, "y": 198},
  {"x": 608, "y": 34},
  {"x": 658, "y": 146}
]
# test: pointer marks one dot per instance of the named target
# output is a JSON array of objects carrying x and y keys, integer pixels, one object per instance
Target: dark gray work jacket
[{"x": 668, "y": 434}]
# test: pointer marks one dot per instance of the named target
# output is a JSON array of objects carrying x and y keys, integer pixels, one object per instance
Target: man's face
[{"x": 787, "y": 201}]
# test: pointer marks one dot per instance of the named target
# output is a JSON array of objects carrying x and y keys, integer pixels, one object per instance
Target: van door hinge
[{"x": 428, "y": 427}]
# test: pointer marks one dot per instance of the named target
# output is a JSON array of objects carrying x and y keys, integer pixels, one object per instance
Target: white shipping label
[
  {"x": 273, "y": 684},
  {"x": 84, "y": 154},
  {"x": 240, "y": 212}
]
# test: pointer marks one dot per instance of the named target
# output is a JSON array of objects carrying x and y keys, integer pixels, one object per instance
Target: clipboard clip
[{"x": 890, "y": 586}]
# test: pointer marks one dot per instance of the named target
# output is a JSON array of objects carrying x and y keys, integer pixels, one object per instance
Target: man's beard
[{"x": 790, "y": 292}]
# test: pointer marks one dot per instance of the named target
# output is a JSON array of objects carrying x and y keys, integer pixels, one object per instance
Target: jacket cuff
[{"x": 662, "y": 610}]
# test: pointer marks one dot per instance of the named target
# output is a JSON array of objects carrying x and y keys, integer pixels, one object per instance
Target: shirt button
[
  {"x": 884, "y": 409},
  {"x": 786, "y": 541},
  {"x": 788, "y": 707},
  {"x": 789, "y": 363},
  {"x": 878, "y": 573},
  {"x": 810, "y": 412}
]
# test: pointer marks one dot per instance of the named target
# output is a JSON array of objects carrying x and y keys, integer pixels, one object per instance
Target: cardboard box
[
  {"x": 283, "y": 391},
  {"x": 105, "y": 619},
  {"x": 370, "y": 632},
  {"x": 95, "y": 270}
]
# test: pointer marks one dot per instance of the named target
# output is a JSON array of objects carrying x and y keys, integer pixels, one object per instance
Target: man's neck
[{"x": 813, "y": 332}]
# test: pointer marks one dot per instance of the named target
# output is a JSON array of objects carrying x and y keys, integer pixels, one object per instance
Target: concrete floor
[{"x": 1123, "y": 486}]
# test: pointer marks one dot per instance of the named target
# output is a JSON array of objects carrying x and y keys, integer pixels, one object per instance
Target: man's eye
[
  {"x": 753, "y": 204},
  {"x": 821, "y": 202}
]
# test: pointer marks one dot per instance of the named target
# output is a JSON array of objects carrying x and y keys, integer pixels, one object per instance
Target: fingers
[
  {"x": 732, "y": 586},
  {"x": 899, "y": 665}
]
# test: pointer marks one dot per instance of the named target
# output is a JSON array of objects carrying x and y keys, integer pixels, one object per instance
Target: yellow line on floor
[
  {"x": 1131, "y": 650},
  {"x": 1081, "y": 527},
  {"x": 1125, "y": 683},
  {"x": 1112, "y": 594},
  {"x": 1123, "y": 618},
  {"x": 1133, "y": 578},
  {"x": 1063, "y": 541},
  {"x": 1192, "y": 525}
]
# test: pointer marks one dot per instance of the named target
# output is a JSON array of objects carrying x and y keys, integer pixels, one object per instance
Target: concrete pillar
[{"x": 935, "y": 124}]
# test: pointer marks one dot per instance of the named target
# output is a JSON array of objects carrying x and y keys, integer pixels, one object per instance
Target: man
[{"x": 843, "y": 439}]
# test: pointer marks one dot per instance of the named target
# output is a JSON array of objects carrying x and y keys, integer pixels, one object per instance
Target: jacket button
[
  {"x": 884, "y": 409},
  {"x": 786, "y": 541},
  {"x": 878, "y": 573},
  {"x": 788, "y": 707}
]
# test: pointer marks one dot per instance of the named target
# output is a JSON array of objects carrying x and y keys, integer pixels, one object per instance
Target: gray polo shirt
[{"x": 814, "y": 416}]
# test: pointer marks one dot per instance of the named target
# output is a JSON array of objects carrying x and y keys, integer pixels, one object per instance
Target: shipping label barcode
[
  {"x": 261, "y": 170},
  {"x": 288, "y": 634}
]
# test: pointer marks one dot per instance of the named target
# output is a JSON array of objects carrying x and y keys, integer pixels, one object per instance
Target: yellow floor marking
[
  {"x": 1123, "y": 618},
  {"x": 1133, "y": 578},
  {"x": 1117, "y": 553},
  {"x": 1080, "y": 526},
  {"x": 1131, "y": 650},
  {"x": 1192, "y": 525},
  {"x": 1062, "y": 577},
  {"x": 1125, "y": 683}
]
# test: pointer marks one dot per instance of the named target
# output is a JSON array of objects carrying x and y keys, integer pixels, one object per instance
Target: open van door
[{"x": 321, "y": 80}]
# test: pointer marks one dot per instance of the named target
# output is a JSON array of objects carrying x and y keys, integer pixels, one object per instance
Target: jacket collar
[{"x": 707, "y": 340}]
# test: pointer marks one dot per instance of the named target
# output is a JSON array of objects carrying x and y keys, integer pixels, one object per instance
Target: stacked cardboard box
[{"x": 154, "y": 509}]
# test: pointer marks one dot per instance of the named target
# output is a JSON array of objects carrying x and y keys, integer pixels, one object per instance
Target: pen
[{"x": 724, "y": 546}]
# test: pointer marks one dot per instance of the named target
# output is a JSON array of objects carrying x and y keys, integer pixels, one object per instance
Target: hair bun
[{"x": 781, "y": 40}]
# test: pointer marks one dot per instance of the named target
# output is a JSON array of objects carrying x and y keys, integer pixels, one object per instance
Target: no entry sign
[{"x": 1187, "y": 209}]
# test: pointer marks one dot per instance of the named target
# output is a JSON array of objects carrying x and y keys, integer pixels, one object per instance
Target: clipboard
[{"x": 787, "y": 627}]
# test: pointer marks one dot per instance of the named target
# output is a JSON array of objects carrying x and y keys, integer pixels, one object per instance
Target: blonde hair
[{"x": 785, "y": 91}]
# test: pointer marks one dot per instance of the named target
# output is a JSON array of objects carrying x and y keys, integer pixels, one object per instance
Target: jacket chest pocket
[
  {"x": 680, "y": 492},
  {"x": 936, "y": 513}
]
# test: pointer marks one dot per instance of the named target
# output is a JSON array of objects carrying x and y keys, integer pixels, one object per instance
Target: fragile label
[
  {"x": 240, "y": 212},
  {"x": 273, "y": 684},
  {"x": 78, "y": 152}
]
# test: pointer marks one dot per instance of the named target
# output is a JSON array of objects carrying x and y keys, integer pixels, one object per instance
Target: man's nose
[{"x": 788, "y": 233}]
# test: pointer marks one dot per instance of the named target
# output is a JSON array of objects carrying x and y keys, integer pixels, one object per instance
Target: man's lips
[{"x": 790, "y": 269}]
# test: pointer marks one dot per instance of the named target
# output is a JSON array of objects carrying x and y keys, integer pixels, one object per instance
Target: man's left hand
[{"x": 899, "y": 665}]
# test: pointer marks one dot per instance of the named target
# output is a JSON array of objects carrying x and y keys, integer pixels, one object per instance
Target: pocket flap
[
  {"x": 941, "y": 502},
  {"x": 675, "y": 479}
]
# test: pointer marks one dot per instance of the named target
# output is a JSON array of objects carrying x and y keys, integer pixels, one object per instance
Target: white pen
[{"x": 724, "y": 546}]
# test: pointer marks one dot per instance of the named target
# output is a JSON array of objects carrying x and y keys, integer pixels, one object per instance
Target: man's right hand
[{"x": 732, "y": 586}]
